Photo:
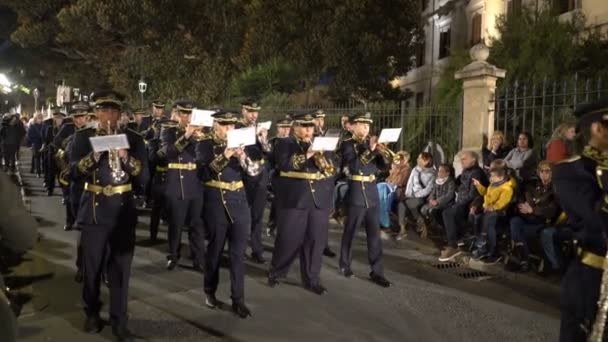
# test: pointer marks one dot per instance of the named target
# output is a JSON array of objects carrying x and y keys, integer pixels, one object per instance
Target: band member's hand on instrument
[
  {"x": 229, "y": 152},
  {"x": 262, "y": 134},
  {"x": 239, "y": 152},
  {"x": 190, "y": 131},
  {"x": 373, "y": 142},
  {"x": 123, "y": 154}
]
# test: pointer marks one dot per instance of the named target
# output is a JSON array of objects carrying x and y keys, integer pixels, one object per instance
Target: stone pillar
[{"x": 479, "y": 84}]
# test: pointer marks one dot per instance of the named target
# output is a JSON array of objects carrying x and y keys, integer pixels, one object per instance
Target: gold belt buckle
[{"x": 107, "y": 190}]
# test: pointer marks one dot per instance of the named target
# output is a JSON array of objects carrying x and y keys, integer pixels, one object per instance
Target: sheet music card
[
  {"x": 389, "y": 135},
  {"x": 202, "y": 118},
  {"x": 109, "y": 142},
  {"x": 241, "y": 137},
  {"x": 325, "y": 143},
  {"x": 264, "y": 125}
]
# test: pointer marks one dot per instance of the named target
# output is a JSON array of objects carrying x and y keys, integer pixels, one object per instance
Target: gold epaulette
[{"x": 569, "y": 160}]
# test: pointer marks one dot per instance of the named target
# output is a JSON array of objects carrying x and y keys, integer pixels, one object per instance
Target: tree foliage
[
  {"x": 536, "y": 44},
  {"x": 208, "y": 49}
]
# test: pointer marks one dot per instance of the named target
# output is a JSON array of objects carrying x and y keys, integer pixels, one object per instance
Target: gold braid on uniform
[
  {"x": 298, "y": 160},
  {"x": 86, "y": 164},
  {"x": 601, "y": 171},
  {"x": 181, "y": 143},
  {"x": 367, "y": 156},
  {"x": 219, "y": 163},
  {"x": 600, "y": 157},
  {"x": 135, "y": 166}
]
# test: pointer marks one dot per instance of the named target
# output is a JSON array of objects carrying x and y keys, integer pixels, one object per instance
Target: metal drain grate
[{"x": 462, "y": 271}]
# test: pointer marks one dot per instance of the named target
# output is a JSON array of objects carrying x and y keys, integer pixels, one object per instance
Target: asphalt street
[{"x": 425, "y": 303}]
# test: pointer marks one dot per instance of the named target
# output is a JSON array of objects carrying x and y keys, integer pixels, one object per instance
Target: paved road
[{"x": 425, "y": 304}]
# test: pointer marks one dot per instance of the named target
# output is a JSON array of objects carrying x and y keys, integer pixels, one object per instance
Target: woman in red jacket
[{"x": 560, "y": 145}]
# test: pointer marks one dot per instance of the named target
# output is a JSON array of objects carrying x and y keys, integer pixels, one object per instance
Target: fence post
[
  {"x": 402, "y": 115},
  {"x": 479, "y": 86}
]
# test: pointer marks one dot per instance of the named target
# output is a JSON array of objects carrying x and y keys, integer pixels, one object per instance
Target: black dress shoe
[
  {"x": 93, "y": 324},
  {"x": 49, "y": 193},
  {"x": 329, "y": 253},
  {"x": 272, "y": 281},
  {"x": 79, "y": 276},
  {"x": 258, "y": 259},
  {"x": 211, "y": 301},
  {"x": 317, "y": 289},
  {"x": 379, "y": 280},
  {"x": 67, "y": 227},
  {"x": 123, "y": 335},
  {"x": 171, "y": 264},
  {"x": 346, "y": 272},
  {"x": 241, "y": 310}
]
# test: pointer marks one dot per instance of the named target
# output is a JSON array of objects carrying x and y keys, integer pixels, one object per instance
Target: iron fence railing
[
  {"x": 539, "y": 107},
  {"x": 440, "y": 124}
]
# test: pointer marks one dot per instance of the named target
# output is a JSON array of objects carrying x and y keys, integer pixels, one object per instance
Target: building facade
[{"x": 452, "y": 25}]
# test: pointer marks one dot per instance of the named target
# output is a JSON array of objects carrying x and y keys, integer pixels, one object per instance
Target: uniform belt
[
  {"x": 230, "y": 186},
  {"x": 359, "y": 178},
  {"x": 182, "y": 166},
  {"x": 161, "y": 169},
  {"x": 108, "y": 190},
  {"x": 303, "y": 175},
  {"x": 592, "y": 260}
]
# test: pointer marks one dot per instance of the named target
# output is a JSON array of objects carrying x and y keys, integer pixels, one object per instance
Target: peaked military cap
[
  {"x": 80, "y": 108},
  {"x": 284, "y": 122},
  {"x": 107, "y": 99},
  {"x": 158, "y": 104},
  {"x": 304, "y": 119},
  {"x": 56, "y": 110},
  {"x": 362, "y": 117},
  {"x": 184, "y": 106},
  {"x": 319, "y": 114},
  {"x": 589, "y": 113},
  {"x": 225, "y": 117},
  {"x": 139, "y": 111},
  {"x": 250, "y": 105}
]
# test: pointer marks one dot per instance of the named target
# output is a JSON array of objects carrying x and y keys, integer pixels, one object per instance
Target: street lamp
[
  {"x": 5, "y": 84},
  {"x": 36, "y": 95},
  {"x": 143, "y": 86}
]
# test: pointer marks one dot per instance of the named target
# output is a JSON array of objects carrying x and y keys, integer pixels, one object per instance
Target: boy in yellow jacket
[{"x": 496, "y": 199}]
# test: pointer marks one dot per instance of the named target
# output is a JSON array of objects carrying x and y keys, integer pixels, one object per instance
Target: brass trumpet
[
  {"x": 118, "y": 174},
  {"x": 326, "y": 166},
  {"x": 389, "y": 154}
]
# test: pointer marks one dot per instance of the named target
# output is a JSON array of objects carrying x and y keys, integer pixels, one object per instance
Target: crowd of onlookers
[{"x": 501, "y": 207}]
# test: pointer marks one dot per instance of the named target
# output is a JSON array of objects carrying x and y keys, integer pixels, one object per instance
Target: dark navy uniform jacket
[
  {"x": 100, "y": 209},
  {"x": 214, "y": 166},
  {"x": 176, "y": 149},
  {"x": 358, "y": 159},
  {"x": 65, "y": 131},
  {"x": 582, "y": 198},
  {"x": 290, "y": 155}
]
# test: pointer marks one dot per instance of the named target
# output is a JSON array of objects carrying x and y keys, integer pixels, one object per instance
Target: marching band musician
[
  {"x": 304, "y": 198},
  {"x": 361, "y": 158},
  {"x": 183, "y": 191},
  {"x": 226, "y": 208},
  {"x": 52, "y": 128},
  {"x": 283, "y": 131},
  {"x": 78, "y": 116},
  {"x": 320, "y": 132},
  {"x": 581, "y": 184},
  {"x": 256, "y": 187},
  {"x": 107, "y": 213}
]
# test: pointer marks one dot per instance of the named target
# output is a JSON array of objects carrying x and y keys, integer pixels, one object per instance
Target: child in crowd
[
  {"x": 441, "y": 197},
  {"x": 496, "y": 199}
]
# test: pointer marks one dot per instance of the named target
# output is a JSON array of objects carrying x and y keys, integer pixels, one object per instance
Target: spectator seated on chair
[
  {"x": 496, "y": 149},
  {"x": 441, "y": 197},
  {"x": 496, "y": 200},
  {"x": 538, "y": 210},
  {"x": 553, "y": 239},
  {"x": 522, "y": 158},
  {"x": 455, "y": 216},
  {"x": 418, "y": 188},
  {"x": 393, "y": 188}
]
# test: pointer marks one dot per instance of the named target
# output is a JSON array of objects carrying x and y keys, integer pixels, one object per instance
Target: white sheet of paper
[
  {"x": 241, "y": 137},
  {"x": 265, "y": 124},
  {"x": 201, "y": 117},
  {"x": 325, "y": 143},
  {"x": 109, "y": 142},
  {"x": 389, "y": 135}
]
